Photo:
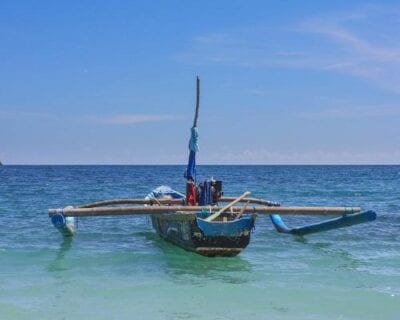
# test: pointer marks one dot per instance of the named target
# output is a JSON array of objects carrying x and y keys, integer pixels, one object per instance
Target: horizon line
[{"x": 204, "y": 164}]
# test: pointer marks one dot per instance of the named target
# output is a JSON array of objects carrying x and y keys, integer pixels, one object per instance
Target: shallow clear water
[{"x": 118, "y": 268}]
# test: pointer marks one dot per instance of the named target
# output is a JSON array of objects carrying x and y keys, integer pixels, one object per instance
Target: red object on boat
[{"x": 191, "y": 193}]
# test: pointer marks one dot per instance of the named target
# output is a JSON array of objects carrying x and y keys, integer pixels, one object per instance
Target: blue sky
[{"x": 283, "y": 82}]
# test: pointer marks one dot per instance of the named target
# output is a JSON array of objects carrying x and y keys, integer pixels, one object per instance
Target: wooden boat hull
[{"x": 208, "y": 239}]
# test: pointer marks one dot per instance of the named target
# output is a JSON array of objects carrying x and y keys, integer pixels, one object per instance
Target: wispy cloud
[
  {"x": 353, "y": 112},
  {"x": 127, "y": 119},
  {"x": 120, "y": 119},
  {"x": 361, "y": 45},
  {"x": 6, "y": 114},
  {"x": 257, "y": 92},
  {"x": 268, "y": 156},
  {"x": 357, "y": 43}
]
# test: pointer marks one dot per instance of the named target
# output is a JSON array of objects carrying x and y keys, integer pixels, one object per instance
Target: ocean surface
[{"x": 118, "y": 268}]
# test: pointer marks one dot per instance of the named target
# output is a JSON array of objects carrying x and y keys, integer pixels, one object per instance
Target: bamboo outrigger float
[{"x": 198, "y": 222}]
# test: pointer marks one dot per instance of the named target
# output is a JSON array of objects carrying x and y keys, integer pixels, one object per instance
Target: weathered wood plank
[
  {"x": 135, "y": 210},
  {"x": 168, "y": 202}
]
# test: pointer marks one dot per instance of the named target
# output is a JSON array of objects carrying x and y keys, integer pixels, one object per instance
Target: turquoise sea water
[{"x": 118, "y": 268}]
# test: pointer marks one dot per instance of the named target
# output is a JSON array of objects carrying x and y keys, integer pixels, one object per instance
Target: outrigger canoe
[
  {"x": 192, "y": 232},
  {"x": 197, "y": 221}
]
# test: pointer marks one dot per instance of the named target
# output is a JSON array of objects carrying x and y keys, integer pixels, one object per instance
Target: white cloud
[
  {"x": 268, "y": 156},
  {"x": 362, "y": 47},
  {"x": 122, "y": 119},
  {"x": 357, "y": 43},
  {"x": 126, "y": 119},
  {"x": 353, "y": 112},
  {"x": 6, "y": 114}
]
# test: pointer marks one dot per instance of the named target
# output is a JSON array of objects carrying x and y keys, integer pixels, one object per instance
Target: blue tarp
[
  {"x": 193, "y": 147},
  {"x": 163, "y": 191},
  {"x": 205, "y": 194}
]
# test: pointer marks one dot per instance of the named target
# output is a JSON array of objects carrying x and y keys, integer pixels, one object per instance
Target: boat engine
[{"x": 210, "y": 192}]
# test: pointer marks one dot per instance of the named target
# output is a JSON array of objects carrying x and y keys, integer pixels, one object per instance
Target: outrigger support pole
[
  {"x": 137, "y": 210},
  {"x": 171, "y": 202}
]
